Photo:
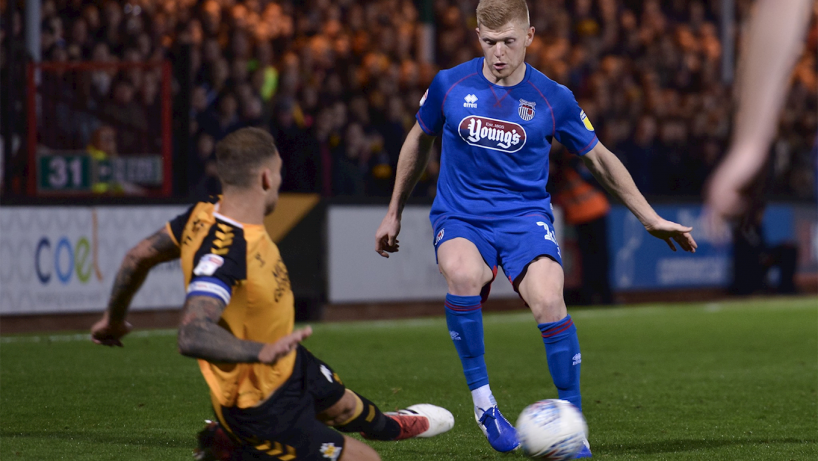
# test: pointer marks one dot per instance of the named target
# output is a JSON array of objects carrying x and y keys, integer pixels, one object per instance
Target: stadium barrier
[
  {"x": 410, "y": 275},
  {"x": 64, "y": 259},
  {"x": 640, "y": 262}
]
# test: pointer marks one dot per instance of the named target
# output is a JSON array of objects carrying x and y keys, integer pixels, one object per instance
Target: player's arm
[
  {"x": 414, "y": 156},
  {"x": 133, "y": 271},
  {"x": 613, "y": 175},
  {"x": 201, "y": 336},
  {"x": 774, "y": 38}
]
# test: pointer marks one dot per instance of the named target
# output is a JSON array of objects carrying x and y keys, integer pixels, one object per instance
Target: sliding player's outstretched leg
[
  {"x": 355, "y": 413},
  {"x": 414, "y": 418}
]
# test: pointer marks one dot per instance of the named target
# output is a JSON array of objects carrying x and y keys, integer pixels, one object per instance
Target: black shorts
[{"x": 285, "y": 427}]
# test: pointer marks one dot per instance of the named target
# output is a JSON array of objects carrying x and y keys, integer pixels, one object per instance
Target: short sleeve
[
  {"x": 573, "y": 128},
  {"x": 177, "y": 225},
  {"x": 220, "y": 264},
  {"x": 430, "y": 115}
]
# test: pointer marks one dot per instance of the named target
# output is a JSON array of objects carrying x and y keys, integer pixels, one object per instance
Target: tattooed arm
[
  {"x": 200, "y": 336},
  {"x": 139, "y": 260}
]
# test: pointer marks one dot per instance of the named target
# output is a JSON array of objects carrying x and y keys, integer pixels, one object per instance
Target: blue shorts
[{"x": 511, "y": 242}]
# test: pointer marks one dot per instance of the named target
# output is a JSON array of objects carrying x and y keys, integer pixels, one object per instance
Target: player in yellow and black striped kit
[{"x": 273, "y": 399}]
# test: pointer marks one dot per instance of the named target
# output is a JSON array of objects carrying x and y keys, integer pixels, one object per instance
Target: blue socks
[
  {"x": 562, "y": 351},
  {"x": 465, "y": 321},
  {"x": 464, "y": 318}
]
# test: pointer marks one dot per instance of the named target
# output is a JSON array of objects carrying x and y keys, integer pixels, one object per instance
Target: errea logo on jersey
[
  {"x": 492, "y": 133},
  {"x": 471, "y": 101}
]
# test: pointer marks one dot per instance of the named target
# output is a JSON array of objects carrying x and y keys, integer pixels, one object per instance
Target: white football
[{"x": 551, "y": 429}]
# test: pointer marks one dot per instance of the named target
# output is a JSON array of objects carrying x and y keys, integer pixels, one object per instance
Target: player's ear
[
  {"x": 266, "y": 179},
  {"x": 529, "y": 36}
]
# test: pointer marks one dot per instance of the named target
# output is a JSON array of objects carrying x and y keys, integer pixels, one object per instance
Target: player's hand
[
  {"x": 728, "y": 198},
  {"x": 386, "y": 238},
  {"x": 271, "y": 352},
  {"x": 670, "y": 232},
  {"x": 109, "y": 333},
  {"x": 727, "y": 195},
  {"x": 716, "y": 226}
]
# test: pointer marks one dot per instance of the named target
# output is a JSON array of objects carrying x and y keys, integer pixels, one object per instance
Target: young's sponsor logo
[{"x": 492, "y": 133}]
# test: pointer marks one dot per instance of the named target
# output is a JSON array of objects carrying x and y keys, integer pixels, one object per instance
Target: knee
[
  {"x": 464, "y": 279},
  {"x": 343, "y": 411},
  {"x": 548, "y": 307}
]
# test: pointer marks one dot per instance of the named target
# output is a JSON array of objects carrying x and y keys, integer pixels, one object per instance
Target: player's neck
[
  {"x": 513, "y": 79},
  {"x": 242, "y": 206}
]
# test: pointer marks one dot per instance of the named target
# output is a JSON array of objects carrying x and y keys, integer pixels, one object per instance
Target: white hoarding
[
  {"x": 358, "y": 274},
  {"x": 65, "y": 259}
]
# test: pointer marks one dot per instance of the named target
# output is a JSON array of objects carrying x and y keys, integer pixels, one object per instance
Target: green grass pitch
[{"x": 725, "y": 381}]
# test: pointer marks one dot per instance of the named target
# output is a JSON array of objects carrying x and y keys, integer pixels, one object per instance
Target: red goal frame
[{"x": 32, "y": 69}]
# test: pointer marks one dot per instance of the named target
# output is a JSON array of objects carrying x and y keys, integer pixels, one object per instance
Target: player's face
[
  {"x": 504, "y": 50},
  {"x": 272, "y": 180}
]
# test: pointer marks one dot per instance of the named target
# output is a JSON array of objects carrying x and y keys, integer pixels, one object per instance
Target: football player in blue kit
[{"x": 498, "y": 116}]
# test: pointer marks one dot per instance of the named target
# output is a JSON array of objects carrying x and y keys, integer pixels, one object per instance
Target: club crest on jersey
[
  {"x": 492, "y": 133},
  {"x": 330, "y": 451},
  {"x": 526, "y": 110}
]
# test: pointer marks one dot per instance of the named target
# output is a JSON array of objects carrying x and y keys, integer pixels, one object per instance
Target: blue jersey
[{"x": 496, "y": 140}]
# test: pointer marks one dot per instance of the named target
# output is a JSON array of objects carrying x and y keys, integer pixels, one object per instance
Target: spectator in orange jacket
[{"x": 586, "y": 208}]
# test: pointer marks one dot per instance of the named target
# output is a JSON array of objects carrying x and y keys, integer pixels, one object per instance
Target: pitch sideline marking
[
  {"x": 494, "y": 318},
  {"x": 80, "y": 337}
]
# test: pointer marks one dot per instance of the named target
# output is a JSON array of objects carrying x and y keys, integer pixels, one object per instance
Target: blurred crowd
[{"x": 338, "y": 82}]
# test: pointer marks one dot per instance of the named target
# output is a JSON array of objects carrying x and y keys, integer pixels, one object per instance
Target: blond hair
[{"x": 494, "y": 14}]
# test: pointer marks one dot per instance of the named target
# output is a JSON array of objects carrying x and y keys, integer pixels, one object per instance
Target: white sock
[{"x": 483, "y": 399}]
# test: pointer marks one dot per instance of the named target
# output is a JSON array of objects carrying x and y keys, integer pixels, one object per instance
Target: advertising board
[
  {"x": 358, "y": 274},
  {"x": 64, "y": 259},
  {"x": 641, "y": 262}
]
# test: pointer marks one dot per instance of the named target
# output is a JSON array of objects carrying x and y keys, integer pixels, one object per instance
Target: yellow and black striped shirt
[{"x": 239, "y": 264}]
